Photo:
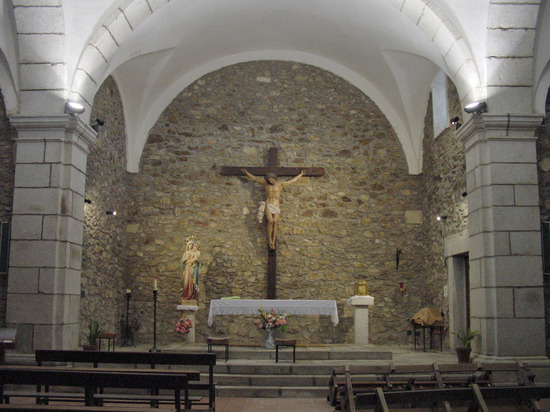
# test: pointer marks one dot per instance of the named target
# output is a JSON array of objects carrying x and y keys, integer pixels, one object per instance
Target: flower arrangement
[
  {"x": 271, "y": 320},
  {"x": 183, "y": 326}
]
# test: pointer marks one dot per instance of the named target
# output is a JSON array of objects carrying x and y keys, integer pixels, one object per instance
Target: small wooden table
[{"x": 110, "y": 337}]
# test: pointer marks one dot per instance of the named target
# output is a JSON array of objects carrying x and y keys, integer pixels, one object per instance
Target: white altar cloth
[{"x": 251, "y": 306}]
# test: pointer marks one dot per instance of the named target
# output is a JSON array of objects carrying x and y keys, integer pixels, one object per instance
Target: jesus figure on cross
[{"x": 273, "y": 190}]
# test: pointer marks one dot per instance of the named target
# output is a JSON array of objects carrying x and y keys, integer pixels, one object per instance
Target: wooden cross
[{"x": 274, "y": 168}]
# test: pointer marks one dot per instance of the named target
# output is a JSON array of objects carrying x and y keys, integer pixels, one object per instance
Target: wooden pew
[
  {"x": 90, "y": 379},
  {"x": 152, "y": 359},
  {"x": 477, "y": 397}
]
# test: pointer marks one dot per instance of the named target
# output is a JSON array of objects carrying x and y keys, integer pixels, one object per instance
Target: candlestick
[{"x": 154, "y": 348}]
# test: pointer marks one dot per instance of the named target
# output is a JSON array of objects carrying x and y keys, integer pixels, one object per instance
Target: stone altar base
[{"x": 188, "y": 311}]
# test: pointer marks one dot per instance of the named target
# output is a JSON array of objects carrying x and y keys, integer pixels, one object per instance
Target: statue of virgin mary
[{"x": 190, "y": 267}]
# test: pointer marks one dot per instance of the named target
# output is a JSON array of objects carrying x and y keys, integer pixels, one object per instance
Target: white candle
[
  {"x": 155, "y": 284},
  {"x": 128, "y": 291}
]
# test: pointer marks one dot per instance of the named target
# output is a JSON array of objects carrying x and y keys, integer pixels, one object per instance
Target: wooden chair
[
  {"x": 285, "y": 342},
  {"x": 211, "y": 341}
]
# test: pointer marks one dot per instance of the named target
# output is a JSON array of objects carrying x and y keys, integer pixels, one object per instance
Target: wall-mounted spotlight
[
  {"x": 455, "y": 122},
  {"x": 442, "y": 218},
  {"x": 111, "y": 212},
  {"x": 99, "y": 122},
  {"x": 476, "y": 108},
  {"x": 74, "y": 108},
  {"x": 88, "y": 201}
]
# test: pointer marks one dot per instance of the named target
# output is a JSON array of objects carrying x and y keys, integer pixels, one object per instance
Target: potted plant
[
  {"x": 465, "y": 338},
  {"x": 94, "y": 330}
]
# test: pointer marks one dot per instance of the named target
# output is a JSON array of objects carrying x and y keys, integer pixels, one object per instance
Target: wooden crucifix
[{"x": 273, "y": 189}]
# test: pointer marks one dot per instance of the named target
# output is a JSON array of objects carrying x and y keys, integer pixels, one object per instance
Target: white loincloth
[{"x": 275, "y": 210}]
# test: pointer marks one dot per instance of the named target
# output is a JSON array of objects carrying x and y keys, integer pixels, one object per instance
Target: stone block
[
  {"x": 36, "y": 201},
  {"x": 42, "y": 102},
  {"x": 78, "y": 207},
  {"x": 23, "y": 280},
  {"x": 36, "y": 2},
  {"x": 35, "y": 308},
  {"x": 455, "y": 56},
  {"x": 25, "y": 253},
  {"x": 510, "y": 43},
  {"x": 59, "y": 281},
  {"x": 412, "y": 11},
  {"x": 526, "y": 195},
  {"x": 444, "y": 40},
  {"x": 513, "y": 16},
  {"x": 529, "y": 302},
  {"x": 525, "y": 243},
  {"x": 75, "y": 256},
  {"x": 34, "y": 20},
  {"x": 29, "y": 152},
  {"x": 157, "y": 4},
  {"x": 492, "y": 302},
  {"x": 32, "y": 175},
  {"x": 137, "y": 12},
  {"x": 93, "y": 64},
  {"x": 507, "y": 99},
  {"x": 514, "y": 271},
  {"x": 514, "y": 218},
  {"x": 105, "y": 45},
  {"x": 516, "y": 337},
  {"x": 49, "y": 76},
  {"x": 119, "y": 28},
  {"x": 78, "y": 181},
  {"x": 498, "y": 195},
  {"x": 429, "y": 23},
  {"x": 40, "y": 48},
  {"x": 509, "y": 71},
  {"x": 26, "y": 227},
  {"x": 510, "y": 151},
  {"x": 513, "y": 173},
  {"x": 414, "y": 217}
]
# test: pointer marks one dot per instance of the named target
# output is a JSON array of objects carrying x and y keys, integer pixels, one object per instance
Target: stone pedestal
[
  {"x": 188, "y": 311},
  {"x": 361, "y": 319}
]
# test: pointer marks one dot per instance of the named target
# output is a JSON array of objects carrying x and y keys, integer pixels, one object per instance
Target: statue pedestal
[
  {"x": 361, "y": 319},
  {"x": 188, "y": 311}
]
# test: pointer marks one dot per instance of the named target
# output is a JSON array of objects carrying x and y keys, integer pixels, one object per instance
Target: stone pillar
[
  {"x": 188, "y": 311},
  {"x": 506, "y": 282},
  {"x": 43, "y": 299},
  {"x": 361, "y": 318}
]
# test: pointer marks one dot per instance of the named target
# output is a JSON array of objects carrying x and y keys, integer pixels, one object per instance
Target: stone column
[
  {"x": 188, "y": 311},
  {"x": 43, "y": 299},
  {"x": 361, "y": 318},
  {"x": 506, "y": 283}
]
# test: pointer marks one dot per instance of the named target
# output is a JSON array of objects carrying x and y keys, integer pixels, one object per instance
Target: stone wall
[
  {"x": 104, "y": 255},
  {"x": 7, "y": 170},
  {"x": 444, "y": 186},
  {"x": 334, "y": 231}
]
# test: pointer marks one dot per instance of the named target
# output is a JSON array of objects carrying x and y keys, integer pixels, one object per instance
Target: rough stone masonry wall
[
  {"x": 104, "y": 254},
  {"x": 334, "y": 230},
  {"x": 7, "y": 172},
  {"x": 444, "y": 186}
]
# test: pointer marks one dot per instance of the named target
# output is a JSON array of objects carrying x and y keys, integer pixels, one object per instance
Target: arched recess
[{"x": 99, "y": 59}]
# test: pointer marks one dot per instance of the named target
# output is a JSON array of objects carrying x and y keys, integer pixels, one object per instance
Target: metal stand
[
  {"x": 154, "y": 348},
  {"x": 127, "y": 339}
]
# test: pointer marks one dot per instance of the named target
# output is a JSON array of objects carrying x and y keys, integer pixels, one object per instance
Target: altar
[{"x": 291, "y": 306}]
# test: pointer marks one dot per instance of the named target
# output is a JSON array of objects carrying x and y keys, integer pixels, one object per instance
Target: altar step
[{"x": 253, "y": 372}]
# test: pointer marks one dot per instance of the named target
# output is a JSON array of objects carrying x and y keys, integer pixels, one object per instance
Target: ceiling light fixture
[
  {"x": 476, "y": 108},
  {"x": 74, "y": 108}
]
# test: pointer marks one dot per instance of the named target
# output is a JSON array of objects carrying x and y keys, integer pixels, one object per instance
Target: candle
[
  {"x": 155, "y": 284},
  {"x": 128, "y": 291}
]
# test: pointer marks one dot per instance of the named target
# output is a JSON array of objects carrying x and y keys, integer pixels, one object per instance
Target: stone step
[
  {"x": 238, "y": 353},
  {"x": 271, "y": 391},
  {"x": 273, "y": 380},
  {"x": 273, "y": 369}
]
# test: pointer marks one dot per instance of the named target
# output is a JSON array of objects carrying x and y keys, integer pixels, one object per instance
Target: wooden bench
[
  {"x": 152, "y": 359},
  {"x": 349, "y": 381},
  {"x": 475, "y": 397},
  {"x": 91, "y": 379},
  {"x": 73, "y": 408}
]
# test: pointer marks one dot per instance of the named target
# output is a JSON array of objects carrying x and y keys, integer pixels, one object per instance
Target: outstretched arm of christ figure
[
  {"x": 251, "y": 176},
  {"x": 295, "y": 178}
]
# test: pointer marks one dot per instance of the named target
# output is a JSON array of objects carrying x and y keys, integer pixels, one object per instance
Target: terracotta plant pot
[{"x": 463, "y": 354}]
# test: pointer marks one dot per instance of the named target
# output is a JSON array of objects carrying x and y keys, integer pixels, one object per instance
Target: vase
[{"x": 267, "y": 339}]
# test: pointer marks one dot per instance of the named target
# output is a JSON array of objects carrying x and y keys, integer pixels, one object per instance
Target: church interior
[{"x": 431, "y": 202}]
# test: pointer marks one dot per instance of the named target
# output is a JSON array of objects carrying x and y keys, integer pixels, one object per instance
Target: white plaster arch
[
  {"x": 102, "y": 57},
  {"x": 9, "y": 59},
  {"x": 541, "y": 67}
]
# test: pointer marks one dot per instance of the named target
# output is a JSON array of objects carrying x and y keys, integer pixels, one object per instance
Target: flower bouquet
[
  {"x": 271, "y": 320},
  {"x": 183, "y": 327}
]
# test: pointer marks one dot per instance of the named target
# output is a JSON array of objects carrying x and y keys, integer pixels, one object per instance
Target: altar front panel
[{"x": 251, "y": 306}]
